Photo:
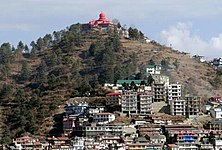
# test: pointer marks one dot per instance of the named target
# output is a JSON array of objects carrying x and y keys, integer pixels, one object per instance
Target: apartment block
[
  {"x": 192, "y": 105},
  {"x": 145, "y": 103},
  {"x": 113, "y": 98},
  {"x": 174, "y": 92},
  {"x": 159, "y": 93},
  {"x": 178, "y": 107},
  {"x": 129, "y": 102}
]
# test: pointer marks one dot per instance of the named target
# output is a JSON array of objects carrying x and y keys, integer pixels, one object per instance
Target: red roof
[{"x": 113, "y": 94}]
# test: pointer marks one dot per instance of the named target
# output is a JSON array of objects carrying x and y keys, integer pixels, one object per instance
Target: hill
[{"x": 73, "y": 62}]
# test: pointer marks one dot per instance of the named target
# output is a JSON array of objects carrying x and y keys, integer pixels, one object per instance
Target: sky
[{"x": 193, "y": 26}]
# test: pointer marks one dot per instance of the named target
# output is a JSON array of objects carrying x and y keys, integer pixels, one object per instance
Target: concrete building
[
  {"x": 145, "y": 103},
  {"x": 113, "y": 98},
  {"x": 95, "y": 130},
  {"x": 158, "y": 78},
  {"x": 153, "y": 69},
  {"x": 192, "y": 105},
  {"x": 129, "y": 102},
  {"x": 174, "y": 92},
  {"x": 216, "y": 113},
  {"x": 159, "y": 93},
  {"x": 178, "y": 107},
  {"x": 103, "y": 118},
  {"x": 77, "y": 109}
]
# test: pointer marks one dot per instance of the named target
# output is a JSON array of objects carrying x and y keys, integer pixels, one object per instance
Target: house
[
  {"x": 27, "y": 142},
  {"x": 216, "y": 113},
  {"x": 113, "y": 98},
  {"x": 78, "y": 143},
  {"x": 153, "y": 69},
  {"x": 59, "y": 142},
  {"x": 91, "y": 110},
  {"x": 103, "y": 118},
  {"x": 162, "y": 79},
  {"x": 217, "y": 62}
]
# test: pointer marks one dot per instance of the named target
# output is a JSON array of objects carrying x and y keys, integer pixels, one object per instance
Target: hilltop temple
[{"x": 100, "y": 24}]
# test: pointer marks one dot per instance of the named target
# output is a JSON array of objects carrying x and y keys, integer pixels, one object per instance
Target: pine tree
[{"x": 25, "y": 72}]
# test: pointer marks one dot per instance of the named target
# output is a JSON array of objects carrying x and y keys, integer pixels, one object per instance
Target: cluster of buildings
[{"x": 139, "y": 100}]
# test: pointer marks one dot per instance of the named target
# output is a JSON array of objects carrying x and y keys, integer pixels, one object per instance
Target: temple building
[{"x": 100, "y": 24}]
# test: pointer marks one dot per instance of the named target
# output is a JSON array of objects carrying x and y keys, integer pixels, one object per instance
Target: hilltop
[{"x": 72, "y": 63}]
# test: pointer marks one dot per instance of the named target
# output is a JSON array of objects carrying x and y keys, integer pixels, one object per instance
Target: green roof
[
  {"x": 129, "y": 81},
  {"x": 152, "y": 66}
]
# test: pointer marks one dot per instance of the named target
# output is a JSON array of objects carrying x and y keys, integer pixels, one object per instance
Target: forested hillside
[{"x": 72, "y": 62}]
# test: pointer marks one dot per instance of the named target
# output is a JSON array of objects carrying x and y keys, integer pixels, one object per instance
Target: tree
[
  {"x": 7, "y": 137},
  {"x": 75, "y": 70},
  {"x": 41, "y": 76},
  {"x": 34, "y": 49},
  {"x": 5, "y": 71},
  {"x": 6, "y": 91},
  {"x": 34, "y": 101},
  {"x": 20, "y": 47},
  {"x": 5, "y": 54},
  {"x": 133, "y": 33},
  {"x": 26, "y": 49},
  {"x": 40, "y": 44},
  {"x": 20, "y": 97},
  {"x": 25, "y": 72},
  {"x": 47, "y": 40}
]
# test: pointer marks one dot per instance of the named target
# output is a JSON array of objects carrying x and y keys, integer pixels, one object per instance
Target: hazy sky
[{"x": 189, "y": 25}]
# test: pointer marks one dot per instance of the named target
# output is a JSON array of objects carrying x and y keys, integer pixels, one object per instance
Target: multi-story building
[
  {"x": 174, "y": 92},
  {"x": 103, "y": 118},
  {"x": 129, "y": 102},
  {"x": 178, "y": 107},
  {"x": 113, "y": 98},
  {"x": 192, "y": 105},
  {"x": 159, "y": 93},
  {"x": 137, "y": 102},
  {"x": 145, "y": 103},
  {"x": 177, "y": 104}
]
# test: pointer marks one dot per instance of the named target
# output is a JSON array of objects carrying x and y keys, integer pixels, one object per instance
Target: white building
[
  {"x": 177, "y": 105},
  {"x": 216, "y": 113},
  {"x": 129, "y": 102},
  {"x": 78, "y": 143},
  {"x": 174, "y": 92},
  {"x": 153, "y": 69},
  {"x": 145, "y": 103},
  {"x": 103, "y": 118}
]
